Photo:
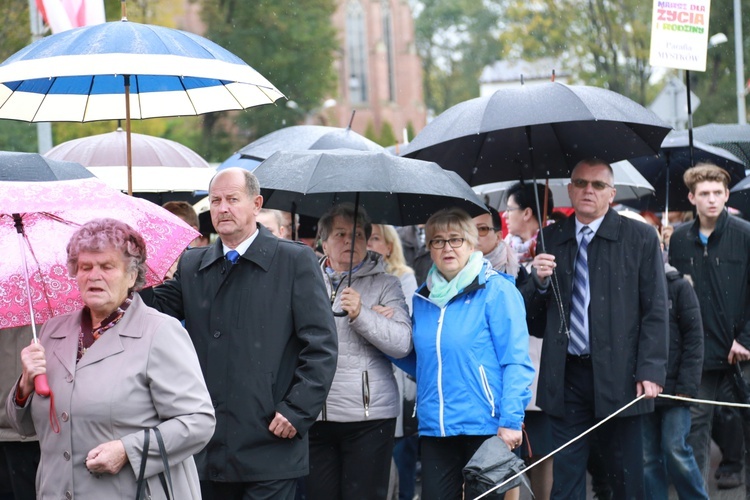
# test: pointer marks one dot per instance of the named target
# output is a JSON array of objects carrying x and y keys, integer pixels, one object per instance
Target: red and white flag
[{"x": 62, "y": 15}]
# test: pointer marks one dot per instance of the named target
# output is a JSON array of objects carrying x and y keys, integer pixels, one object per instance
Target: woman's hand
[
  {"x": 384, "y": 310},
  {"x": 511, "y": 437},
  {"x": 107, "y": 458},
  {"x": 34, "y": 362},
  {"x": 351, "y": 302}
]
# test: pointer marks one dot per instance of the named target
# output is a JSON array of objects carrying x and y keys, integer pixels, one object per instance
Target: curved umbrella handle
[
  {"x": 340, "y": 314},
  {"x": 41, "y": 386}
]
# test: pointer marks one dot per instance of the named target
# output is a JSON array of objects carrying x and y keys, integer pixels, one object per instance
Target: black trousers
[
  {"x": 350, "y": 460},
  {"x": 282, "y": 489},
  {"x": 18, "y": 464},
  {"x": 620, "y": 442},
  {"x": 443, "y": 461}
]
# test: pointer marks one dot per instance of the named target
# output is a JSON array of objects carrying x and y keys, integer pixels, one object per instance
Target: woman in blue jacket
[{"x": 470, "y": 355}]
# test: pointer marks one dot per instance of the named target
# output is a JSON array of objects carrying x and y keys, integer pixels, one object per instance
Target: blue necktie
[
  {"x": 233, "y": 256},
  {"x": 579, "y": 336}
]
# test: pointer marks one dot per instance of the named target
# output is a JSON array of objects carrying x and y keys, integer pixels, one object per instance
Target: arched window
[
  {"x": 356, "y": 49},
  {"x": 390, "y": 52}
]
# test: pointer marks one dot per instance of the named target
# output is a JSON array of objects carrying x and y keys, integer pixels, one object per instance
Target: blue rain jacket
[{"x": 471, "y": 359}]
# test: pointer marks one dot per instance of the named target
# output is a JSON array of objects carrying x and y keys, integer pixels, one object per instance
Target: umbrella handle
[
  {"x": 340, "y": 314},
  {"x": 41, "y": 386}
]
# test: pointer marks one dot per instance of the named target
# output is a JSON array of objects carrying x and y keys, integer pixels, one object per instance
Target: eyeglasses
[
  {"x": 485, "y": 230},
  {"x": 511, "y": 209},
  {"x": 583, "y": 183},
  {"x": 437, "y": 244}
]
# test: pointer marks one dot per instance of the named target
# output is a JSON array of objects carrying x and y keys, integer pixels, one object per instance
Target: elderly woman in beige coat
[
  {"x": 352, "y": 442},
  {"x": 115, "y": 368}
]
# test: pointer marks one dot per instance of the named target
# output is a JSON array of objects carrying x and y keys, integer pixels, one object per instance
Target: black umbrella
[
  {"x": 493, "y": 464},
  {"x": 303, "y": 137},
  {"x": 739, "y": 197},
  {"x": 733, "y": 137},
  {"x": 537, "y": 131},
  {"x": 393, "y": 190},
  {"x": 664, "y": 171},
  {"x": 33, "y": 167}
]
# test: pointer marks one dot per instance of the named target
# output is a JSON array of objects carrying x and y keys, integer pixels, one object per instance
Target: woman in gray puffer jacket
[{"x": 352, "y": 442}]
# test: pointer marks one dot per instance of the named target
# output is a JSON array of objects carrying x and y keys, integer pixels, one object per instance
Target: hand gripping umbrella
[
  {"x": 121, "y": 69},
  {"x": 393, "y": 190}
]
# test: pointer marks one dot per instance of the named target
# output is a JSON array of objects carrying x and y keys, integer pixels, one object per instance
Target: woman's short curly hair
[{"x": 101, "y": 234}]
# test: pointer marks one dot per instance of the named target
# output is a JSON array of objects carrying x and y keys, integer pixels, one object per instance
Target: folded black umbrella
[{"x": 492, "y": 464}]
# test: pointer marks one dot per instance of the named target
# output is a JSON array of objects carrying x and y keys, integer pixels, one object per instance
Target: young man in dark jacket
[{"x": 715, "y": 252}]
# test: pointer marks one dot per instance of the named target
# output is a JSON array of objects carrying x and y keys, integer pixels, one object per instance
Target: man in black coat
[
  {"x": 715, "y": 252},
  {"x": 266, "y": 340},
  {"x": 619, "y": 349}
]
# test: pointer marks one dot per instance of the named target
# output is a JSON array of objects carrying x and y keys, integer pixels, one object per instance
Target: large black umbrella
[
  {"x": 537, "y": 131},
  {"x": 739, "y": 197},
  {"x": 393, "y": 190},
  {"x": 664, "y": 171},
  {"x": 33, "y": 167},
  {"x": 733, "y": 137},
  {"x": 303, "y": 137}
]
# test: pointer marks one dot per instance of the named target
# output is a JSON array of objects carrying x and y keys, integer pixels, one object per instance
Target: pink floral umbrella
[{"x": 36, "y": 222}]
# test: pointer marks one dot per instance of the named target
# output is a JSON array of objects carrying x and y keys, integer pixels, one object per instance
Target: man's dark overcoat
[
  {"x": 628, "y": 320},
  {"x": 266, "y": 340}
]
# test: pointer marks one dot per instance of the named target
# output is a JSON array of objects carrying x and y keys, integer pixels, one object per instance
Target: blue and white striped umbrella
[{"x": 79, "y": 75}]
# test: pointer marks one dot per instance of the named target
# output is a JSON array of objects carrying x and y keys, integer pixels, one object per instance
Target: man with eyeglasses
[
  {"x": 490, "y": 243},
  {"x": 598, "y": 292}
]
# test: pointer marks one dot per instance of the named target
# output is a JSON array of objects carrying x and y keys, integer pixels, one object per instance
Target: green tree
[
  {"x": 716, "y": 87},
  {"x": 455, "y": 39},
  {"x": 607, "y": 43},
  {"x": 289, "y": 42}
]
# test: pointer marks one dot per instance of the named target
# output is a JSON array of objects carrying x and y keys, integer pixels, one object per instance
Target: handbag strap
[
  {"x": 166, "y": 482},
  {"x": 163, "y": 453},
  {"x": 142, "y": 470}
]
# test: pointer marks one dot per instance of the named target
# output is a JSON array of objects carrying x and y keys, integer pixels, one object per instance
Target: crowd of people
[{"x": 267, "y": 369}]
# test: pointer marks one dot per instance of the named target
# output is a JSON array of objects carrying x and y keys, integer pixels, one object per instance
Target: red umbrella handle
[{"x": 41, "y": 386}]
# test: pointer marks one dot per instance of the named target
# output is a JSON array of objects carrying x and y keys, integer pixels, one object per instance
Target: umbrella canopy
[
  {"x": 33, "y": 167},
  {"x": 79, "y": 75},
  {"x": 122, "y": 69},
  {"x": 739, "y": 197},
  {"x": 48, "y": 213},
  {"x": 537, "y": 131},
  {"x": 735, "y": 138},
  {"x": 159, "y": 165},
  {"x": 393, "y": 190},
  {"x": 237, "y": 160},
  {"x": 664, "y": 171},
  {"x": 304, "y": 137},
  {"x": 630, "y": 184}
]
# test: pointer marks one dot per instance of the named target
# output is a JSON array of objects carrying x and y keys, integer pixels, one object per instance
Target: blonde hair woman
[{"x": 385, "y": 241}]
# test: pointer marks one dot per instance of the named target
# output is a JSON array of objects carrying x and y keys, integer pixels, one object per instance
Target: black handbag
[{"x": 164, "y": 477}]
